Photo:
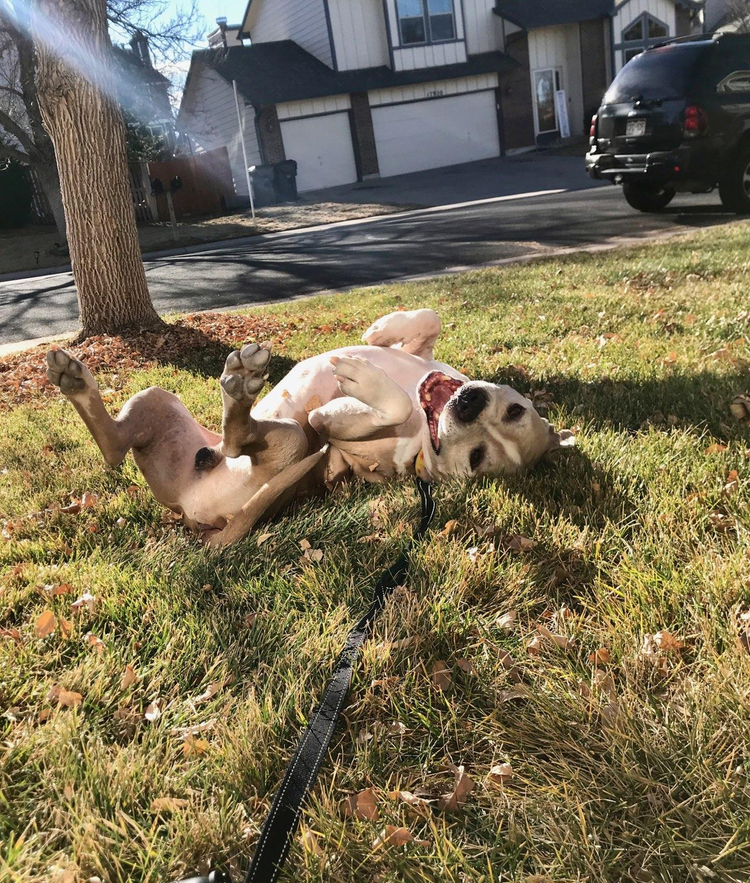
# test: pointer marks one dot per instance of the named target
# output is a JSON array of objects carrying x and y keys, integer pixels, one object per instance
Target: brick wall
[
  {"x": 593, "y": 68},
  {"x": 269, "y": 131},
  {"x": 363, "y": 135},
  {"x": 515, "y": 92}
]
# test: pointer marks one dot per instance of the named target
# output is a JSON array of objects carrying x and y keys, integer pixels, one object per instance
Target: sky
[{"x": 213, "y": 9}]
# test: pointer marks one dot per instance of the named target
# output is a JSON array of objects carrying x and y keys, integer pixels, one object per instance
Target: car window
[{"x": 665, "y": 72}]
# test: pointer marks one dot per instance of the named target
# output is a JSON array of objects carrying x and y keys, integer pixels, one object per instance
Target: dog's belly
[
  {"x": 311, "y": 383},
  {"x": 214, "y": 496}
]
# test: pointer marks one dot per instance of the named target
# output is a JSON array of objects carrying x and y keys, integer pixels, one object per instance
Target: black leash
[{"x": 301, "y": 773}]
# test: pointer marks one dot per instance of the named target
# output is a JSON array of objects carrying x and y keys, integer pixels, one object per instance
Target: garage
[
  {"x": 322, "y": 148},
  {"x": 437, "y": 132}
]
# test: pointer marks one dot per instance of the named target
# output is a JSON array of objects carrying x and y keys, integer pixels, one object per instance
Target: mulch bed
[{"x": 23, "y": 377}]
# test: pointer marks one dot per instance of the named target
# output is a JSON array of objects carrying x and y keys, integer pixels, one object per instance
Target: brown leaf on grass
[
  {"x": 193, "y": 730},
  {"x": 264, "y": 537},
  {"x": 310, "y": 842},
  {"x": 72, "y": 508},
  {"x": 466, "y": 666},
  {"x": 362, "y": 805},
  {"x": 133, "y": 490},
  {"x": 402, "y": 644},
  {"x": 520, "y": 543},
  {"x": 305, "y": 545},
  {"x": 741, "y": 622},
  {"x": 740, "y": 407},
  {"x": 12, "y": 635},
  {"x": 129, "y": 677},
  {"x": 473, "y": 553},
  {"x": 518, "y": 692},
  {"x": 450, "y": 528},
  {"x": 193, "y": 747},
  {"x": 732, "y": 483},
  {"x": 65, "y": 698},
  {"x": 420, "y": 805},
  {"x": 88, "y": 501},
  {"x": 207, "y": 694},
  {"x": 392, "y": 835},
  {"x": 152, "y": 711},
  {"x": 669, "y": 359},
  {"x": 507, "y": 621},
  {"x": 168, "y": 804},
  {"x": 667, "y": 642},
  {"x": 534, "y": 646},
  {"x": 248, "y": 621},
  {"x": 715, "y": 448},
  {"x": 560, "y": 640},
  {"x": 66, "y": 627},
  {"x": 440, "y": 675},
  {"x": 45, "y": 624},
  {"x": 92, "y": 640},
  {"x": 601, "y": 656},
  {"x": 312, "y": 555},
  {"x": 721, "y": 521},
  {"x": 385, "y": 682},
  {"x": 500, "y": 773},
  {"x": 87, "y": 600},
  {"x": 396, "y": 728},
  {"x": 462, "y": 787},
  {"x": 51, "y": 590}
]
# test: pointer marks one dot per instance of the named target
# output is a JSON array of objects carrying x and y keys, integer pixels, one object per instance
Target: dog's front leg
[
  {"x": 372, "y": 401},
  {"x": 243, "y": 378}
]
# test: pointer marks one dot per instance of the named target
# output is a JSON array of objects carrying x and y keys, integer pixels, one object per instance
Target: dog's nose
[{"x": 470, "y": 404}]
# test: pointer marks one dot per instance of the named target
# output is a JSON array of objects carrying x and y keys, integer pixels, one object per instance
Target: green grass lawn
[{"x": 634, "y": 767}]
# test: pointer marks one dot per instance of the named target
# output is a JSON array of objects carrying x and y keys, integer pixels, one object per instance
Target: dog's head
[{"x": 476, "y": 428}]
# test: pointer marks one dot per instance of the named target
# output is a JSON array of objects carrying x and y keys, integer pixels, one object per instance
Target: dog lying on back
[{"x": 382, "y": 411}]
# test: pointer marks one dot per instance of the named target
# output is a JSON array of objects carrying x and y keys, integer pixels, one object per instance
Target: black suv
[{"x": 677, "y": 117}]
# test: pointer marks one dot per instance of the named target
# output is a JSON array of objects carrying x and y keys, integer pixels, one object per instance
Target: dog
[{"x": 381, "y": 411}]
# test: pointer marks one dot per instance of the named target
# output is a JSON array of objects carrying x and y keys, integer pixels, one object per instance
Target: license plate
[{"x": 634, "y": 128}]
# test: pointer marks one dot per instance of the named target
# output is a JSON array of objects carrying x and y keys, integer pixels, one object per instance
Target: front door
[{"x": 546, "y": 83}]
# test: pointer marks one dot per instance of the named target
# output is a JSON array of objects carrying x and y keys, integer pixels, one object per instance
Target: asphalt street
[{"x": 286, "y": 265}]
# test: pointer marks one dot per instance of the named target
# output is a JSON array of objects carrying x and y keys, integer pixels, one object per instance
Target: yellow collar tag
[{"x": 420, "y": 467}]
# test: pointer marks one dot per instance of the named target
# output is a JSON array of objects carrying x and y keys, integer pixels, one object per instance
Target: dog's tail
[{"x": 246, "y": 519}]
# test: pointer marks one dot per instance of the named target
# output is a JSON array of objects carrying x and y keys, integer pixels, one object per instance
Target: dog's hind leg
[
  {"x": 414, "y": 331},
  {"x": 242, "y": 379}
]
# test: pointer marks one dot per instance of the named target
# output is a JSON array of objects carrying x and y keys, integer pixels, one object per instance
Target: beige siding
[
  {"x": 483, "y": 28},
  {"x": 290, "y": 110},
  {"x": 559, "y": 47},
  {"x": 359, "y": 35},
  {"x": 664, "y": 10},
  {"x": 441, "y": 88},
  {"x": 303, "y": 21},
  {"x": 413, "y": 57},
  {"x": 209, "y": 116}
]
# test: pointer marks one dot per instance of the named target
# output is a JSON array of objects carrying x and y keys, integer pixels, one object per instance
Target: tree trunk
[{"x": 81, "y": 114}]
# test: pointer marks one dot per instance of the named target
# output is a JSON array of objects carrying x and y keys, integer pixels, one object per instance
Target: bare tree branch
[
  {"x": 13, "y": 153},
  {"x": 12, "y": 128}
]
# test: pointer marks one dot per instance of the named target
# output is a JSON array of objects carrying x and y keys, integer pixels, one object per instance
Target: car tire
[
  {"x": 648, "y": 197},
  {"x": 734, "y": 188}
]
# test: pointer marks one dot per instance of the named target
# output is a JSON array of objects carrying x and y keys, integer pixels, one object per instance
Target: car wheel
[
  {"x": 648, "y": 197},
  {"x": 734, "y": 189}
]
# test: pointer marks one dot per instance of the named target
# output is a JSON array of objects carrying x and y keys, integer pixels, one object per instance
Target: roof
[
  {"x": 269, "y": 73},
  {"x": 539, "y": 13}
]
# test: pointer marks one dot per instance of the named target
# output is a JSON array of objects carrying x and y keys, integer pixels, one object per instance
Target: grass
[
  {"x": 635, "y": 770},
  {"x": 31, "y": 247}
]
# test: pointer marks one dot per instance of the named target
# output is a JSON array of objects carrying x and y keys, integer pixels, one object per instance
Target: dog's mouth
[{"x": 435, "y": 391}]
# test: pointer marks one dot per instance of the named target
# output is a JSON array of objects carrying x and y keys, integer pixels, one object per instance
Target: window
[
  {"x": 425, "y": 21},
  {"x": 644, "y": 31}
]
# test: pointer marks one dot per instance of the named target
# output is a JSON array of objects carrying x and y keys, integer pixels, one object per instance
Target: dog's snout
[{"x": 470, "y": 403}]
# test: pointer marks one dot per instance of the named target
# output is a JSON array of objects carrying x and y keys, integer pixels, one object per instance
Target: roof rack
[{"x": 690, "y": 38}]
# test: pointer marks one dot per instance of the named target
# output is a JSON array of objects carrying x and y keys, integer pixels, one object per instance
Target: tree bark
[{"x": 79, "y": 110}]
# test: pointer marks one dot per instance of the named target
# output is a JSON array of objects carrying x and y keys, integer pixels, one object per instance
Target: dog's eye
[
  {"x": 514, "y": 411},
  {"x": 476, "y": 457}
]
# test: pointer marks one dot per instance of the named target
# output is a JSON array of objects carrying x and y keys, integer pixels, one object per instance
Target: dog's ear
[{"x": 565, "y": 438}]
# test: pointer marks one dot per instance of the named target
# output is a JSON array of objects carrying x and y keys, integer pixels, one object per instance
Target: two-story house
[{"x": 357, "y": 88}]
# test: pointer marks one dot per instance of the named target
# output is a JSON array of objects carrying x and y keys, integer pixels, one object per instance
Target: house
[
  {"x": 225, "y": 35},
  {"x": 352, "y": 89},
  {"x": 142, "y": 91}
]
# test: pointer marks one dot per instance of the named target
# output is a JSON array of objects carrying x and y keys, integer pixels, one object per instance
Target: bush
[{"x": 15, "y": 195}]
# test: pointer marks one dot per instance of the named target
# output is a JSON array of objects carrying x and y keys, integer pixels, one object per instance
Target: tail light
[
  {"x": 696, "y": 121},
  {"x": 592, "y": 130}
]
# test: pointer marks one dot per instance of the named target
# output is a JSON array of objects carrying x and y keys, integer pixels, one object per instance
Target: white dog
[{"x": 386, "y": 410}]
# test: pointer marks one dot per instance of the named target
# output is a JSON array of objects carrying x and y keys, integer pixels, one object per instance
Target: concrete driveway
[{"x": 500, "y": 176}]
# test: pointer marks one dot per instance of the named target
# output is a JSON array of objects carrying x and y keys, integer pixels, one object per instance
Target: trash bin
[
  {"x": 264, "y": 185},
  {"x": 285, "y": 175}
]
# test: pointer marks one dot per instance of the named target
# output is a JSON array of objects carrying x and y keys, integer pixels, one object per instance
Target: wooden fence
[{"x": 207, "y": 187}]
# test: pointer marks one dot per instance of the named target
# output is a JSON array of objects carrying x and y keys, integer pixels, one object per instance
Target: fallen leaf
[
  {"x": 45, "y": 624},
  {"x": 310, "y": 843},
  {"x": 95, "y": 642},
  {"x": 88, "y": 501},
  {"x": 519, "y": 543},
  {"x": 600, "y": 656},
  {"x": 392, "y": 835},
  {"x": 133, "y": 490},
  {"x": 264, "y": 537},
  {"x": 66, "y": 698},
  {"x": 721, "y": 521},
  {"x": 52, "y": 590},
  {"x": 450, "y": 528},
  {"x": 66, "y": 627},
  {"x": 715, "y": 448},
  {"x": 732, "y": 483},
  {"x": 385, "y": 682},
  {"x": 466, "y": 666},
  {"x": 86, "y": 600},
  {"x": 440, "y": 675},
  {"x": 669, "y": 359},
  {"x": 362, "y": 805},
  {"x": 248, "y": 621},
  {"x": 129, "y": 677},
  {"x": 473, "y": 553},
  {"x": 194, "y": 730},
  {"x": 193, "y": 747},
  {"x": 667, "y": 642},
  {"x": 12, "y": 634},
  {"x": 305, "y": 545},
  {"x": 534, "y": 645},
  {"x": 396, "y": 728},
  {"x": 462, "y": 787},
  {"x": 313, "y": 555},
  {"x": 207, "y": 694},
  {"x": 72, "y": 508},
  {"x": 507, "y": 621},
  {"x": 168, "y": 804},
  {"x": 152, "y": 712},
  {"x": 402, "y": 644},
  {"x": 500, "y": 773},
  {"x": 560, "y": 640},
  {"x": 517, "y": 692},
  {"x": 420, "y": 805}
]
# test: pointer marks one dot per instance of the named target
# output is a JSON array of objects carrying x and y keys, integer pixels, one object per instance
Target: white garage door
[
  {"x": 441, "y": 132},
  {"x": 322, "y": 147}
]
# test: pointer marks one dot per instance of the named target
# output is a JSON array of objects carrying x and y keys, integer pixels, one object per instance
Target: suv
[{"x": 677, "y": 117}]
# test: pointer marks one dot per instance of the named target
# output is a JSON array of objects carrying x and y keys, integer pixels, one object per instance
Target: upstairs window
[
  {"x": 645, "y": 31},
  {"x": 425, "y": 21}
]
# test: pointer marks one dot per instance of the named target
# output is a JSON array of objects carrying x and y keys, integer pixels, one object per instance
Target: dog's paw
[
  {"x": 370, "y": 385},
  {"x": 245, "y": 372},
  {"x": 410, "y": 329},
  {"x": 67, "y": 373}
]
